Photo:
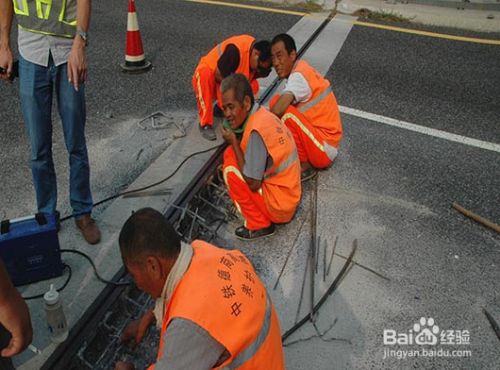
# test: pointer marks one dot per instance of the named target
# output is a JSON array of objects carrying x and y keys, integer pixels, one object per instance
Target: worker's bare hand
[
  {"x": 77, "y": 63},
  {"x": 6, "y": 62},
  {"x": 136, "y": 329},
  {"x": 15, "y": 317},
  {"x": 228, "y": 135},
  {"x": 120, "y": 365}
]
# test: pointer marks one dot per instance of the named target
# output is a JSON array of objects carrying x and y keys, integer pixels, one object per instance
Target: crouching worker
[
  {"x": 213, "y": 310},
  {"x": 307, "y": 106},
  {"x": 261, "y": 167},
  {"x": 237, "y": 54}
]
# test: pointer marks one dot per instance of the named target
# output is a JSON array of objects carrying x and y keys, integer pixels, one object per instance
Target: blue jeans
[{"x": 37, "y": 85}]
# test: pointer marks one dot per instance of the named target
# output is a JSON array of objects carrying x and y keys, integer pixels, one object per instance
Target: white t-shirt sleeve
[{"x": 298, "y": 86}]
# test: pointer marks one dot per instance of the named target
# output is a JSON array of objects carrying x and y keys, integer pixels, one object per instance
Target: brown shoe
[{"x": 89, "y": 229}]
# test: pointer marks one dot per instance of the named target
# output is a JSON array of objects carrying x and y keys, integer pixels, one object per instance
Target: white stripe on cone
[
  {"x": 130, "y": 58},
  {"x": 132, "y": 24}
]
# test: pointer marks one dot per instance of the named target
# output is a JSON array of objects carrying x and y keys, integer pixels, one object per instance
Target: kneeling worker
[
  {"x": 237, "y": 54},
  {"x": 307, "y": 106},
  {"x": 261, "y": 168},
  {"x": 213, "y": 310}
]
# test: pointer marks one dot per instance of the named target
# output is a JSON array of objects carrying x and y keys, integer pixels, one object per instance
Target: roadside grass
[
  {"x": 309, "y": 6},
  {"x": 381, "y": 16}
]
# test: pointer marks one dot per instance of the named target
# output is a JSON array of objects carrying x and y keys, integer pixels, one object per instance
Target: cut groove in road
[
  {"x": 427, "y": 33},
  {"x": 422, "y": 129},
  {"x": 251, "y": 7}
]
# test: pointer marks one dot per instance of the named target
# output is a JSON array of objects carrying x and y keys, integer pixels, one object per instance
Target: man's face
[
  {"x": 254, "y": 60},
  {"x": 282, "y": 60},
  {"x": 143, "y": 278},
  {"x": 260, "y": 68},
  {"x": 234, "y": 111}
]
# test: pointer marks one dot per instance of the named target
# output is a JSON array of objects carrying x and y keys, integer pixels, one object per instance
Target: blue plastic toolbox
[{"x": 29, "y": 248}]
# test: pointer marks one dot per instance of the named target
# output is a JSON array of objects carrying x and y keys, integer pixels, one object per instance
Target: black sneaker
[
  {"x": 243, "y": 233},
  {"x": 208, "y": 132},
  {"x": 308, "y": 174}
]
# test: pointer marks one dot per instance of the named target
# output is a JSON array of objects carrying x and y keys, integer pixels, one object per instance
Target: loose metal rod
[
  {"x": 333, "y": 253},
  {"x": 324, "y": 260},
  {"x": 312, "y": 252},
  {"x": 365, "y": 268},
  {"x": 289, "y": 253},
  {"x": 493, "y": 323},
  {"x": 301, "y": 292},
  {"x": 330, "y": 290}
]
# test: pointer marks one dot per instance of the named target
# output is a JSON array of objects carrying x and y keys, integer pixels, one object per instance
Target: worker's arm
[
  {"x": 6, "y": 59},
  {"x": 77, "y": 62},
  {"x": 136, "y": 329},
  {"x": 282, "y": 104},
  {"x": 14, "y": 316},
  {"x": 232, "y": 140}
]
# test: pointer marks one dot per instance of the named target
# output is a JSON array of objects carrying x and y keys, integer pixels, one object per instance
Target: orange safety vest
[
  {"x": 281, "y": 187},
  {"x": 244, "y": 44},
  {"x": 321, "y": 109},
  {"x": 222, "y": 293}
]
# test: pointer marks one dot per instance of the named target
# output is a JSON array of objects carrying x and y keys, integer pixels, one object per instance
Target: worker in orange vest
[
  {"x": 237, "y": 54},
  {"x": 261, "y": 167},
  {"x": 307, "y": 106},
  {"x": 212, "y": 308}
]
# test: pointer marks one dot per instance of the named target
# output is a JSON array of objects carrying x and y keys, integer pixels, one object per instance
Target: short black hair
[
  {"x": 264, "y": 47},
  {"x": 239, "y": 83},
  {"x": 229, "y": 61},
  {"x": 148, "y": 231},
  {"x": 287, "y": 40}
]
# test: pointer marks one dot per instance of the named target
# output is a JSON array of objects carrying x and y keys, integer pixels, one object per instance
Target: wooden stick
[{"x": 483, "y": 221}]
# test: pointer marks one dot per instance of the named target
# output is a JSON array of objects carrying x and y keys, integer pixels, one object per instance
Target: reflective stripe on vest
[
  {"x": 47, "y": 17},
  {"x": 284, "y": 165},
  {"x": 253, "y": 348},
  {"x": 316, "y": 100},
  {"x": 303, "y": 127}
]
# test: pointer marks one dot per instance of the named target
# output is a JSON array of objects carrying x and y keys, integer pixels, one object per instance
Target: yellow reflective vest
[{"x": 48, "y": 17}]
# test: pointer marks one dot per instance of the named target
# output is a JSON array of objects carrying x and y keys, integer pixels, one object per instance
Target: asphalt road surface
[{"x": 402, "y": 183}]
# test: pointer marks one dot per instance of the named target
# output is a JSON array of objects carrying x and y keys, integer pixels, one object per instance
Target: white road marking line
[{"x": 421, "y": 129}]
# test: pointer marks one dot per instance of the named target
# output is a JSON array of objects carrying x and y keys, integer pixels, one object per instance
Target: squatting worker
[
  {"x": 307, "y": 106},
  {"x": 237, "y": 54},
  {"x": 261, "y": 166},
  {"x": 212, "y": 308},
  {"x": 52, "y": 36}
]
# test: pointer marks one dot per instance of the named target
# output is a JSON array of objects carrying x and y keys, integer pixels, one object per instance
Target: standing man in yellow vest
[
  {"x": 237, "y": 54},
  {"x": 52, "y": 38},
  {"x": 213, "y": 310},
  {"x": 307, "y": 106}
]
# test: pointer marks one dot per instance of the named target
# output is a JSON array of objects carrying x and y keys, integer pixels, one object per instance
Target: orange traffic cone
[{"x": 135, "y": 62}]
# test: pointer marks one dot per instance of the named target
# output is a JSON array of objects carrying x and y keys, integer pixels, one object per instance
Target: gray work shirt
[
  {"x": 257, "y": 158},
  {"x": 189, "y": 346},
  {"x": 36, "y": 48}
]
